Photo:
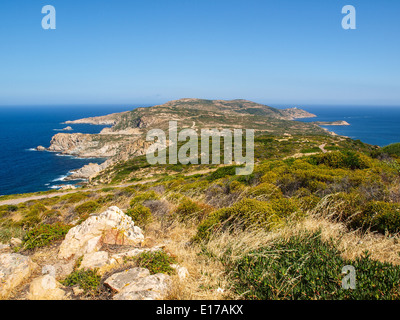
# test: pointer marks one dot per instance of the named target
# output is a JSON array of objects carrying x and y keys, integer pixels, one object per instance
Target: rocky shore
[{"x": 331, "y": 123}]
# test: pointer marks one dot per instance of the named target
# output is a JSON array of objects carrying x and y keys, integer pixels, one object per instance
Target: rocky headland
[{"x": 331, "y": 123}]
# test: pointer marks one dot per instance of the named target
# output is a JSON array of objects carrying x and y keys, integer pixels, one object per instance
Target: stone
[
  {"x": 15, "y": 242},
  {"x": 182, "y": 272},
  {"x": 49, "y": 269},
  {"x": 120, "y": 280},
  {"x": 45, "y": 288},
  {"x": 148, "y": 288},
  {"x": 65, "y": 187},
  {"x": 87, "y": 171},
  {"x": 40, "y": 148},
  {"x": 64, "y": 268},
  {"x": 4, "y": 247},
  {"x": 95, "y": 231},
  {"x": 94, "y": 260},
  {"x": 14, "y": 269},
  {"x": 77, "y": 291}
]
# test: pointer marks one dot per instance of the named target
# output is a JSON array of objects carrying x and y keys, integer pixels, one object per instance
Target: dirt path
[
  {"x": 322, "y": 147},
  {"x": 52, "y": 195}
]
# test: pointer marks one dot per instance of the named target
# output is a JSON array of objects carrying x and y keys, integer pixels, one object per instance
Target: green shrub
[
  {"x": 45, "y": 234},
  {"x": 379, "y": 216},
  {"x": 341, "y": 206},
  {"x": 140, "y": 198},
  {"x": 156, "y": 262},
  {"x": 222, "y": 172},
  {"x": 187, "y": 209},
  {"x": 106, "y": 199},
  {"x": 310, "y": 150},
  {"x": 174, "y": 197},
  {"x": 140, "y": 214},
  {"x": 264, "y": 191},
  {"x": 342, "y": 159},
  {"x": 51, "y": 213},
  {"x": 87, "y": 207},
  {"x": 5, "y": 210},
  {"x": 243, "y": 214},
  {"x": 285, "y": 207},
  {"x": 236, "y": 186},
  {"x": 11, "y": 231},
  {"x": 193, "y": 187},
  {"x": 88, "y": 280},
  {"x": 308, "y": 203},
  {"x": 392, "y": 149},
  {"x": 306, "y": 268},
  {"x": 37, "y": 209},
  {"x": 32, "y": 217},
  {"x": 107, "y": 189},
  {"x": 74, "y": 197}
]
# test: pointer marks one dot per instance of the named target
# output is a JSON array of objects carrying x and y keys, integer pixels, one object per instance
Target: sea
[
  {"x": 371, "y": 124},
  {"x": 23, "y": 128}
]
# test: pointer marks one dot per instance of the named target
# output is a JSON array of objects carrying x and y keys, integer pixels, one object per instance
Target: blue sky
[{"x": 151, "y": 51}]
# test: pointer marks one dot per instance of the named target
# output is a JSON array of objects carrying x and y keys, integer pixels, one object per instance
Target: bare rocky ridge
[
  {"x": 109, "y": 119},
  {"x": 296, "y": 113}
]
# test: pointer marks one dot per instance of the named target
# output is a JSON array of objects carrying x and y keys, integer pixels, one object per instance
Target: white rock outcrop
[
  {"x": 14, "y": 269},
  {"x": 45, "y": 288},
  {"x": 93, "y": 260},
  {"x": 182, "y": 272},
  {"x": 146, "y": 288},
  {"x": 120, "y": 280},
  {"x": 109, "y": 227}
]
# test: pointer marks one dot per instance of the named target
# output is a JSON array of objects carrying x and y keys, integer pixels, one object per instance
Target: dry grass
[{"x": 208, "y": 274}]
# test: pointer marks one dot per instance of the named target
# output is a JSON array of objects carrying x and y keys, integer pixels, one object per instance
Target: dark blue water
[
  {"x": 374, "y": 125},
  {"x": 23, "y": 170}
]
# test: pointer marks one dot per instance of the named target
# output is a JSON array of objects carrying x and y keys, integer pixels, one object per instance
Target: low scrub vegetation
[
  {"x": 45, "y": 234},
  {"x": 235, "y": 228},
  {"x": 306, "y": 268},
  {"x": 88, "y": 280},
  {"x": 156, "y": 262}
]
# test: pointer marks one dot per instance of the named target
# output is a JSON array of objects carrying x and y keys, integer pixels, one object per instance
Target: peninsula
[{"x": 125, "y": 139}]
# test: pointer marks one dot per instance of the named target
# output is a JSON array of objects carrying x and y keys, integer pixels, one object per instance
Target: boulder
[
  {"x": 120, "y": 280},
  {"x": 109, "y": 227},
  {"x": 15, "y": 242},
  {"x": 45, "y": 288},
  {"x": 5, "y": 247},
  {"x": 14, "y": 269},
  {"x": 147, "y": 288},
  {"x": 95, "y": 260},
  {"x": 63, "y": 268},
  {"x": 182, "y": 272},
  {"x": 40, "y": 148}
]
